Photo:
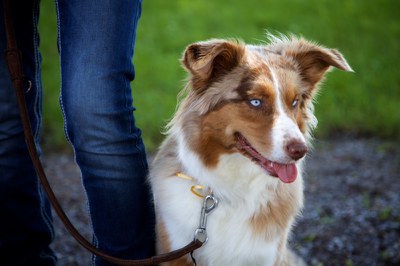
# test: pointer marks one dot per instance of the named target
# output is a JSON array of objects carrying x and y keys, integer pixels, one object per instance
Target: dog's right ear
[{"x": 207, "y": 61}]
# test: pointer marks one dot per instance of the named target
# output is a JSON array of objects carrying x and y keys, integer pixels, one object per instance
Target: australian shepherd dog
[{"x": 231, "y": 164}]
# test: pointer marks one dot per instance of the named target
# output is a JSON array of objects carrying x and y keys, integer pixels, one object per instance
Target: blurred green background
[{"x": 367, "y": 32}]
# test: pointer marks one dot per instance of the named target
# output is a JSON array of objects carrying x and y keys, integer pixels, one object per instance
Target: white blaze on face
[{"x": 284, "y": 129}]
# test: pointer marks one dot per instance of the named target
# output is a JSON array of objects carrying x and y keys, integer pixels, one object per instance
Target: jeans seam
[
  {"x": 37, "y": 111},
  {"x": 37, "y": 97},
  {"x": 139, "y": 141},
  {"x": 65, "y": 126},
  {"x": 46, "y": 218}
]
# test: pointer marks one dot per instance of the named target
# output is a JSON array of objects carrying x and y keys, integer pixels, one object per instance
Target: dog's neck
[{"x": 227, "y": 182}]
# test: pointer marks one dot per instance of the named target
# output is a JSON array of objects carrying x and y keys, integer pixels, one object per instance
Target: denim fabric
[{"x": 96, "y": 44}]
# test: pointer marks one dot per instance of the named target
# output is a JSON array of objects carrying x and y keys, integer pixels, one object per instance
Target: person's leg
[
  {"x": 96, "y": 44},
  {"x": 25, "y": 224}
]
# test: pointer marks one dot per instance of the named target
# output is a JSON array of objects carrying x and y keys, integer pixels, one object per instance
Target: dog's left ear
[
  {"x": 314, "y": 63},
  {"x": 313, "y": 60},
  {"x": 210, "y": 60}
]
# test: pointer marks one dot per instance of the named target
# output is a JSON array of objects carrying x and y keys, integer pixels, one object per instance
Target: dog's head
[{"x": 255, "y": 100}]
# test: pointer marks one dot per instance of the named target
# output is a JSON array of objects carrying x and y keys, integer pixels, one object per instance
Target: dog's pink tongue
[{"x": 287, "y": 173}]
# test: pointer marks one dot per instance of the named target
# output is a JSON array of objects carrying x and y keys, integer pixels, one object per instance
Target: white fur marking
[{"x": 284, "y": 128}]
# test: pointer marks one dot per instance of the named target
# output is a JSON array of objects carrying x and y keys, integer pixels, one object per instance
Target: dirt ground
[{"x": 351, "y": 214}]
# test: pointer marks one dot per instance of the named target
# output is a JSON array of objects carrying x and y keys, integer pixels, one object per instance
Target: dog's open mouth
[{"x": 287, "y": 173}]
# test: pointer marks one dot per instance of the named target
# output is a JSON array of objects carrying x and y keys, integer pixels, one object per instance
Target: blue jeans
[{"x": 96, "y": 44}]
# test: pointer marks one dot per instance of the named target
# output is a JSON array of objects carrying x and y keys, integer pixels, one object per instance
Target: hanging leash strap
[{"x": 14, "y": 63}]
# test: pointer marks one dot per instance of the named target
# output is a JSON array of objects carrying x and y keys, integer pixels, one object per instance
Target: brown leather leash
[{"x": 14, "y": 63}]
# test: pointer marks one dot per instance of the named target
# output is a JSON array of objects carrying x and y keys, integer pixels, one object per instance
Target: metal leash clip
[{"x": 209, "y": 204}]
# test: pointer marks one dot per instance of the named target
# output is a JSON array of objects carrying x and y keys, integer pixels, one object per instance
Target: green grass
[
  {"x": 366, "y": 32},
  {"x": 53, "y": 134}
]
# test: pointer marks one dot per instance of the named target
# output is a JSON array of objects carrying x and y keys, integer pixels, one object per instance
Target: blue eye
[
  {"x": 294, "y": 103},
  {"x": 255, "y": 102}
]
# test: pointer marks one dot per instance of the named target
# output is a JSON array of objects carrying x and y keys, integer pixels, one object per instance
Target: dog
[{"x": 231, "y": 163}]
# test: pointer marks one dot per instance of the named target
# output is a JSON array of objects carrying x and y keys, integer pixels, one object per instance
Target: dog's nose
[{"x": 296, "y": 149}]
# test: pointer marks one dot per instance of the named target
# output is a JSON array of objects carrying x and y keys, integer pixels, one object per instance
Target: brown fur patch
[
  {"x": 183, "y": 261},
  {"x": 163, "y": 238},
  {"x": 166, "y": 159},
  {"x": 212, "y": 135},
  {"x": 209, "y": 61},
  {"x": 313, "y": 65},
  {"x": 254, "y": 123},
  {"x": 275, "y": 217},
  {"x": 164, "y": 246}
]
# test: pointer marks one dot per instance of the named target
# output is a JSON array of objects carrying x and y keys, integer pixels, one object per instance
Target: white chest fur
[{"x": 242, "y": 192}]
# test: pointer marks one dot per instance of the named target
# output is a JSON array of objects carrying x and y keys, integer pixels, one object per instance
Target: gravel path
[{"x": 351, "y": 215}]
